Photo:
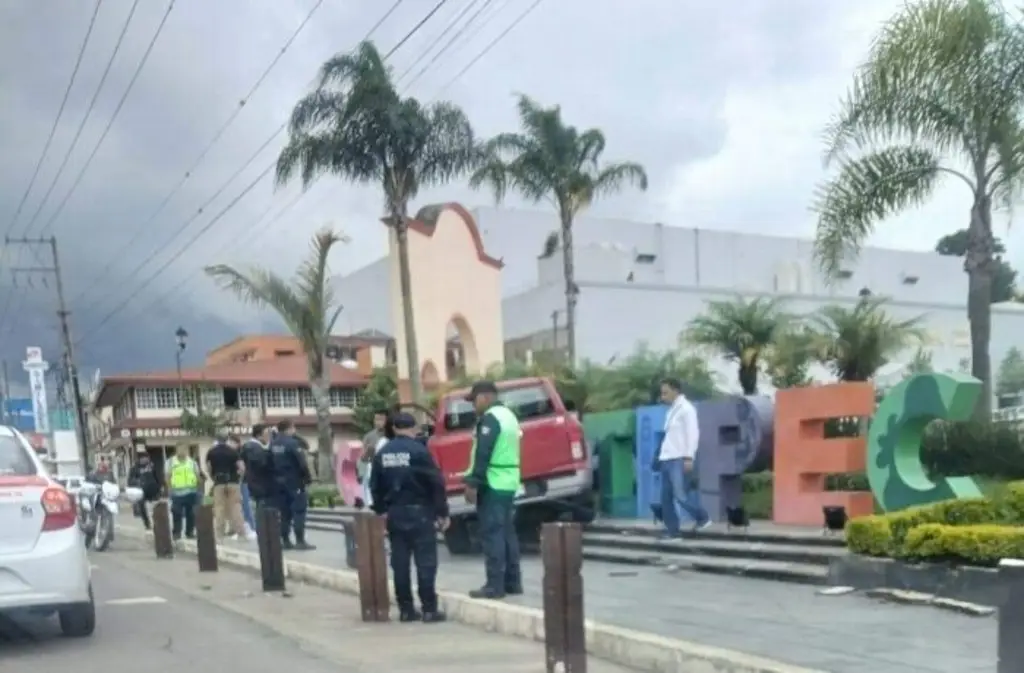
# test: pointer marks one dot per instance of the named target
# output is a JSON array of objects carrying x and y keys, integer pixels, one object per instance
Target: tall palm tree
[
  {"x": 789, "y": 358},
  {"x": 551, "y": 161},
  {"x": 741, "y": 331},
  {"x": 306, "y": 306},
  {"x": 856, "y": 342},
  {"x": 939, "y": 97},
  {"x": 357, "y": 126}
]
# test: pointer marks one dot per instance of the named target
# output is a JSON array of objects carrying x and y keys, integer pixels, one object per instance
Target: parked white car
[
  {"x": 72, "y": 484},
  {"x": 43, "y": 563}
]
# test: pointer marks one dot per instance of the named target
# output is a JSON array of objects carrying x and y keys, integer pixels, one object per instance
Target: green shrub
[
  {"x": 973, "y": 448},
  {"x": 980, "y": 545},
  {"x": 323, "y": 495},
  {"x": 870, "y": 535}
]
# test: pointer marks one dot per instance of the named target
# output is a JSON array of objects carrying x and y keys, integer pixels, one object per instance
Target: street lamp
[{"x": 182, "y": 337}]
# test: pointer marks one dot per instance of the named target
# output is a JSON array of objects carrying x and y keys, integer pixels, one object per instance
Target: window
[
  {"x": 189, "y": 397},
  {"x": 15, "y": 459},
  {"x": 645, "y": 258},
  {"x": 282, "y": 398},
  {"x": 344, "y": 397},
  {"x": 145, "y": 398},
  {"x": 307, "y": 399},
  {"x": 249, "y": 398},
  {"x": 166, "y": 398},
  {"x": 212, "y": 399},
  {"x": 283, "y": 353},
  {"x": 525, "y": 403}
]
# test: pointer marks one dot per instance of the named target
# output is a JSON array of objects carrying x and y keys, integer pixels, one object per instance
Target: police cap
[
  {"x": 403, "y": 421},
  {"x": 481, "y": 388}
]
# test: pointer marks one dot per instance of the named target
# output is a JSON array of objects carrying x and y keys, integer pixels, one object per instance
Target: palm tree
[
  {"x": 856, "y": 342},
  {"x": 939, "y": 97},
  {"x": 551, "y": 161},
  {"x": 788, "y": 360},
  {"x": 356, "y": 125},
  {"x": 306, "y": 305},
  {"x": 635, "y": 380},
  {"x": 741, "y": 331}
]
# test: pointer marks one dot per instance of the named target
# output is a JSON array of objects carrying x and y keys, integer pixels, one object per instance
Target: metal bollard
[
  {"x": 206, "y": 539},
  {"x": 1011, "y": 617},
  {"x": 162, "y": 543},
  {"x": 564, "y": 634},
  {"x": 372, "y": 564},
  {"x": 351, "y": 549},
  {"x": 268, "y": 536}
]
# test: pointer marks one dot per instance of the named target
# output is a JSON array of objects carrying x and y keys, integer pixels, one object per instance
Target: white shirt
[{"x": 682, "y": 433}]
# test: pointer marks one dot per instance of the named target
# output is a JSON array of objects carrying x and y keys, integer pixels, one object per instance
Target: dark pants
[
  {"x": 293, "y": 505},
  {"x": 412, "y": 533},
  {"x": 496, "y": 511},
  {"x": 183, "y": 510}
]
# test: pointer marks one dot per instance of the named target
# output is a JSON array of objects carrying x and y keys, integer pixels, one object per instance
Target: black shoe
[
  {"x": 434, "y": 616},
  {"x": 176, "y": 537},
  {"x": 287, "y": 544},
  {"x": 302, "y": 545},
  {"x": 487, "y": 592},
  {"x": 514, "y": 590},
  {"x": 411, "y": 615},
  {"x": 190, "y": 536}
]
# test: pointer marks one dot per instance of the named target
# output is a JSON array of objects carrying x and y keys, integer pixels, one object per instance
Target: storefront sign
[{"x": 173, "y": 433}]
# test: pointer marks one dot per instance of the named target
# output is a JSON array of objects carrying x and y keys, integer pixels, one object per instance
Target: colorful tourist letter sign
[{"x": 897, "y": 477}]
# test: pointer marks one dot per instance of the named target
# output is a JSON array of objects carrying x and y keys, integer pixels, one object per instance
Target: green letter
[{"x": 898, "y": 479}]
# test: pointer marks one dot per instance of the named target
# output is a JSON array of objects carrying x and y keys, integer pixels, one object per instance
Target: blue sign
[{"x": 19, "y": 411}]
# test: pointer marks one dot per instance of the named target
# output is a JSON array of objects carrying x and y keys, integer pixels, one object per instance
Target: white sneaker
[
  {"x": 250, "y": 535},
  {"x": 234, "y": 538}
]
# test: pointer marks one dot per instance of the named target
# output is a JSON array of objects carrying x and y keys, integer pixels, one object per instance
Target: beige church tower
[{"x": 456, "y": 296}]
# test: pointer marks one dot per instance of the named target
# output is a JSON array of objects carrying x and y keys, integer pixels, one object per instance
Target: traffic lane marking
[{"x": 137, "y": 600}]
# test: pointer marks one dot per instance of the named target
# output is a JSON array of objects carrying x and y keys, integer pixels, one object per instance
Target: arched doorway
[
  {"x": 461, "y": 356},
  {"x": 429, "y": 375}
]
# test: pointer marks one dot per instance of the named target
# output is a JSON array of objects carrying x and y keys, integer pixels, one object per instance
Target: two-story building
[{"x": 253, "y": 379}]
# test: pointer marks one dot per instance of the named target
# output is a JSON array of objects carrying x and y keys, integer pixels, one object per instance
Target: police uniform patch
[{"x": 485, "y": 430}]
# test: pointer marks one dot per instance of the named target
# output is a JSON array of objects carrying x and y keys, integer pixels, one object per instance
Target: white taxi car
[{"x": 43, "y": 564}]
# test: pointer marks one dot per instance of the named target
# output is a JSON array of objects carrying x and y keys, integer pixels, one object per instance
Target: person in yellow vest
[
  {"x": 491, "y": 484},
  {"x": 182, "y": 475}
]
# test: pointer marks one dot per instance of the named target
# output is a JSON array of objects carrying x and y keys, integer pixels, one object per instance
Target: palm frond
[
  {"x": 866, "y": 191},
  {"x": 262, "y": 288}
]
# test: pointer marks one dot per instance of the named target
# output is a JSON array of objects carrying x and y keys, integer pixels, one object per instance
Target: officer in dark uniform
[
  {"x": 291, "y": 477},
  {"x": 407, "y": 486}
]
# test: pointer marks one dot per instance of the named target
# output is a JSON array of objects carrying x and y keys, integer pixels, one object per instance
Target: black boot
[
  {"x": 434, "y": 616},
  {"x": 514, "y": 590},
  {"x": 487, "y": 592},
  {"x": 409, "y": 615},
  {"x": 286, "y": 543}
]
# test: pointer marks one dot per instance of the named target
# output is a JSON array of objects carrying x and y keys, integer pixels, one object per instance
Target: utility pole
[
  {"x": 81, "y": 425},
  {"x": 7, "y": 395}
]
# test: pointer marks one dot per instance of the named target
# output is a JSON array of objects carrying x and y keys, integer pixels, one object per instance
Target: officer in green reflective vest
[{"x": 491, "y": 484}]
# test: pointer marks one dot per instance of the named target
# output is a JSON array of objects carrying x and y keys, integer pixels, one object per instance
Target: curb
[
  {"x": 904, "y": 597},
  {"x": 633, "y": 649}
]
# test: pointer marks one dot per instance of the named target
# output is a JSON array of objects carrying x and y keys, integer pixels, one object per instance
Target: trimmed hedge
[{"x": 978, "y": 531}]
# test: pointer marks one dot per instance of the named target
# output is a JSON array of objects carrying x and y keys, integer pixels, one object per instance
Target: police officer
[
  {"x": 491, "y": 484},
  {"x": 291, "y": 477},
  {"x": 408, "y": 487}
]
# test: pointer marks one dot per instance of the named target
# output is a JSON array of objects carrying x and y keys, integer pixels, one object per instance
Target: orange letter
[{"x": 803, "y": 457}]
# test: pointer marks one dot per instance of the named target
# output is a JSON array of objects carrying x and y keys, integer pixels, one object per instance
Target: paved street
[
  {"x": 164, "y": 616},
  {"x": 784, "y": 622}
]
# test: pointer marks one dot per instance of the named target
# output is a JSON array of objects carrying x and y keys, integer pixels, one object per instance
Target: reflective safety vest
[
  {"x": 503, "y": 470},
  {"x": 183, "y": 475}
]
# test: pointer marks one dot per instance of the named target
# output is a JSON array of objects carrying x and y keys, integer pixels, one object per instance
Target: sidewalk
[
  {"x": 781, "y": 622},
  {"x": 328, "y": 623}
]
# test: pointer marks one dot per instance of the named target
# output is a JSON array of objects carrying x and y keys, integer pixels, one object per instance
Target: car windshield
[
  {"x": 526, "y": 402},
  {"x": 14, "y": 458}
]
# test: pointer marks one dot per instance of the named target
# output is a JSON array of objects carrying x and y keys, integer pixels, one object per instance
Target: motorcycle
[{"x": 97, "y": 508}]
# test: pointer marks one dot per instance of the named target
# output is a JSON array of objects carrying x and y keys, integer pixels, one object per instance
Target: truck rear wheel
[{"x": 461, "y": 538}]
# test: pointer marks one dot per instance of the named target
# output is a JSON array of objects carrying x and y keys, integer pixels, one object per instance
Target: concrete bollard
[
  {"x": 162, "y": 542},
  {"x": 371, "y": 561},
  {"x": 206, "y": 539},
  {"x": 564, "y": 635},
  {"x": 1011, "y": 617},
  {"x": 268, "y": 536}
]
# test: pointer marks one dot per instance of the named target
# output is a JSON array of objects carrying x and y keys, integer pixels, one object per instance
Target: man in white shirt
[{"x": 677, "y": 459}]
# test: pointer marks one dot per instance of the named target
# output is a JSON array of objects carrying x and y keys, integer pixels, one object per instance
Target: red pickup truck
[{"x": 557, "y": 479}]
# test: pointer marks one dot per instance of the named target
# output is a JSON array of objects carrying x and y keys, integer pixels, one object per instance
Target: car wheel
[
  {"x": 79, "y": 620},
  {"x": 461, "y": 538}
]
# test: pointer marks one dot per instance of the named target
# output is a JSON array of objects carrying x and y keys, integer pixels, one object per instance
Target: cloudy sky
[{"x": 722, "y": 102}]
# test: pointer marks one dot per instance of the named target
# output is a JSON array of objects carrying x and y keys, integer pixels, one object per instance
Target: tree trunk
[
  {"x": 980, "y": 268},
  {"x": 412, "y": 353},
  {"x": 569, "y": 274},
  {"x": 748, "y": 378},
  {"x": 324, "y": 439}
]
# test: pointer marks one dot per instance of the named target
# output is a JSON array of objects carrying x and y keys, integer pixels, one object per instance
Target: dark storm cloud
[{"x": 655, "y": 75}]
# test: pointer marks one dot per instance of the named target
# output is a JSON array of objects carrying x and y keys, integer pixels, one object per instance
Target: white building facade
[{"x": 643, "y": 282}]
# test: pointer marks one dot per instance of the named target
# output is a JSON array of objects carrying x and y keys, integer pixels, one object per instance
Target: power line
[
  {"x": 415, "y": 29},
  {"x": 144, "y": 284},
  {"x": 238, "y": 198},
  {"x": 435, "y": 39},
  {"x": 382, "y": 19},
  {"x": 113, "y": 117},
  {"x": 448, "y": 45},
  {"x": 60, "y": 113},
  {"x": 85, "y": 118},
  {"x": 144, "y": 229},
  {"x": 491, "y": 45}
]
